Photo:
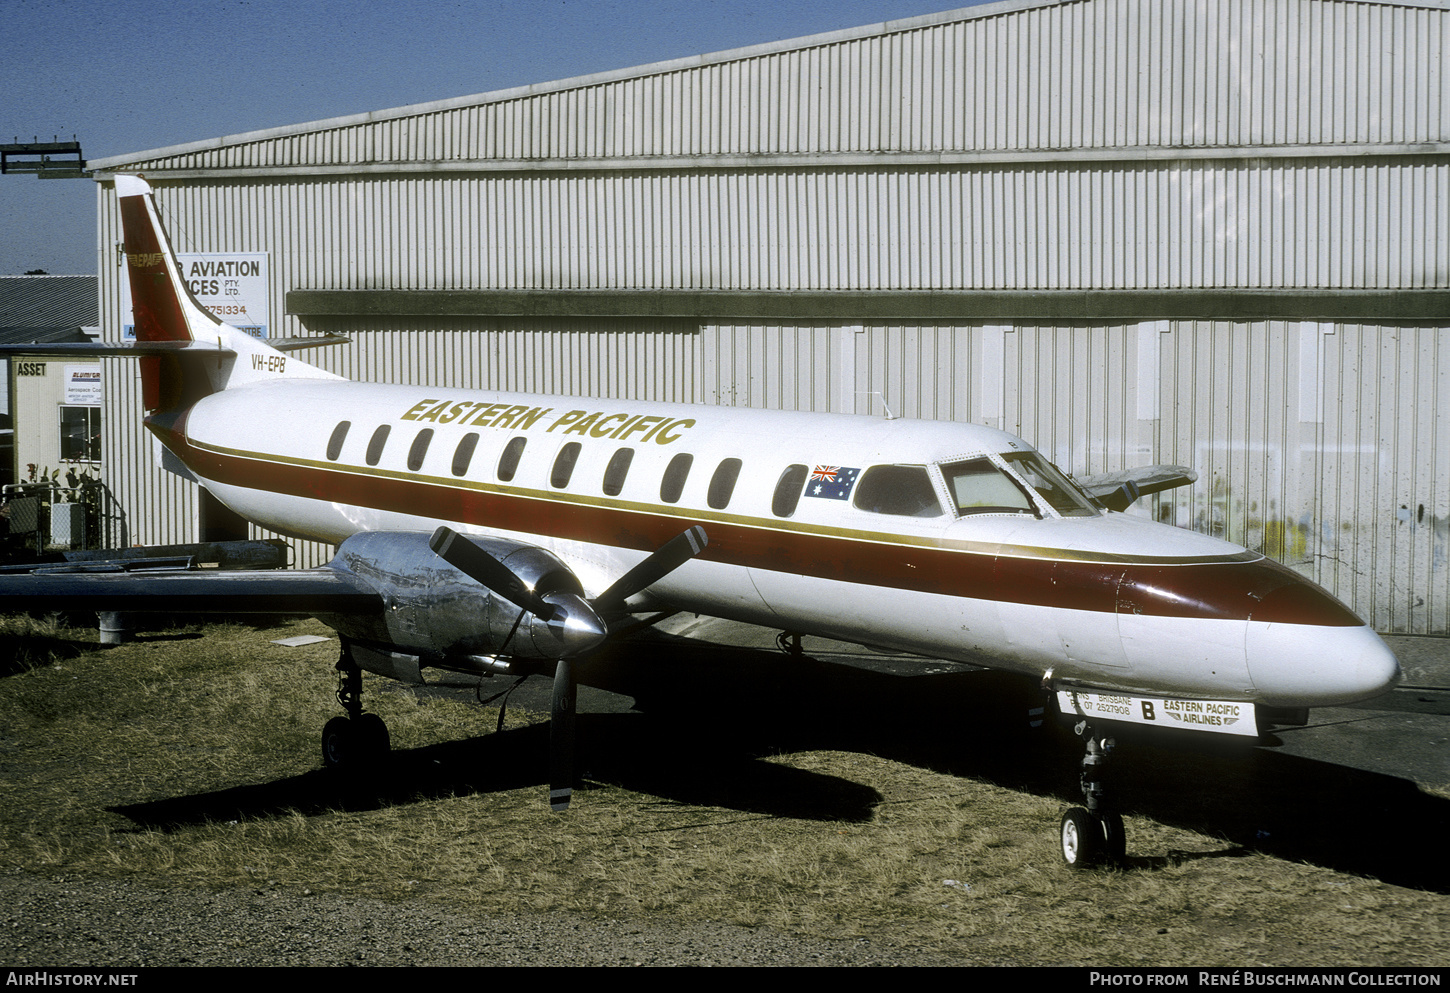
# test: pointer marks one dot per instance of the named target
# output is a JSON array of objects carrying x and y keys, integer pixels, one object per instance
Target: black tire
[
  {"x": 1115, "y": 840},
  {"x": 373, "y": 739},
  {"x": 339, "y": 744},
  {"x": 1080, "y": 839}
]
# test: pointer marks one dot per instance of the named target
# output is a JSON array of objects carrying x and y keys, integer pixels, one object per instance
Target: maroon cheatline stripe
[{"x": 1261, "y": 589}]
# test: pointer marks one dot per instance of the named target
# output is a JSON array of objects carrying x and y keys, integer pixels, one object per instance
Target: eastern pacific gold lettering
[
  {"x": 565, "y": 419},
  {"x": 583, "y": 425},
  {"x": 595, "y": 424},
  {"x": 626, "y": 426},
  {"x": 527, "y": 420},
  {"x": 664, "y": 437},
  {"x": 486, "y": 415},
  {"x": 506, "y": 419},
  {"x": 432, "y": 415},
  {"x": 600, "y": 431},
  {"x": 455, "y": 412},
  {"x": 642, "y": 423}
]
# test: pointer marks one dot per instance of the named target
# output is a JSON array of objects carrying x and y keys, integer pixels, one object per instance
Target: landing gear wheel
[
  {"x": 373, "y": 738},
  {"x": 339, "y": 743},
  {"x": 1115, "y": 840},
  {"x": 1082, "y": 839},
  {"x": 353, "y": 744}
]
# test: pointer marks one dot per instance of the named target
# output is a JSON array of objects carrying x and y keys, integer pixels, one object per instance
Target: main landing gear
[
  {"x": 1092, "y": 836},
  {"x": 358, "y": 740}
]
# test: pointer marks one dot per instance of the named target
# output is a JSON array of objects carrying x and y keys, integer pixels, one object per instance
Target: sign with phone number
[
  {"x": 1218, "y": 716},
  {"x": 232, "y": 285}
]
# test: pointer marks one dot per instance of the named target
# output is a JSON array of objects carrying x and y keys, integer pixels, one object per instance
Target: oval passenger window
[
  {"x": 564, "y": 465},
  {"x": 508, "y": 462},
  {"x": 376, "y": 443},
  {"x": 788, "y": 490},
  {"x": 334, "y": 444},
  {"x": 463, "y": 455},
  {"x": 419, "y": 449},
  {"x": 617, "y": 469},
  {"x": 722, "y": 484},
  {"x": 675, "y": 475}
]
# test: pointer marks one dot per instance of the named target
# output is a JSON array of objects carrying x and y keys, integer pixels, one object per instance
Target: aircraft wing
[
  {"x": 1118, "y": 490},
  {"x": 219, "y": 591}
]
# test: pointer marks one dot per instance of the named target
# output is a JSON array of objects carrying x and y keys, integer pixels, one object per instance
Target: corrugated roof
[
  {"x": 101, "y": 166},
  {"x": 45, "y": 308}
]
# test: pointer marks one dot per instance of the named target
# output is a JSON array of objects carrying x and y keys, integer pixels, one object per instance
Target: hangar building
[{"x": 1205, "y": 232}]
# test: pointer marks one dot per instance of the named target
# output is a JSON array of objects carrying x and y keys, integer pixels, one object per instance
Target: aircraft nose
[{"x": 1304, "y": 665}]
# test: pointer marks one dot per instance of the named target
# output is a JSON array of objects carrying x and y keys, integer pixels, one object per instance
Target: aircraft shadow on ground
[
  {"x": 517, "y": 758},
  {"x": 975, "y": 724},
  {"x": 705, "y": 716}
]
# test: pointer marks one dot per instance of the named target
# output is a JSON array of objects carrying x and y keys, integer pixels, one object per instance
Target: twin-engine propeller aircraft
[{"x": 506, "y": 533}]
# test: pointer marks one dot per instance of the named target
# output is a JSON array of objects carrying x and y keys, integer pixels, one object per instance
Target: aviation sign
[{"x": 232, "y": 285}]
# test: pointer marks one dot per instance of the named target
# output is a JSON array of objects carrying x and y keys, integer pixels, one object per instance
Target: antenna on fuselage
[{"x": 877, "y": 393}]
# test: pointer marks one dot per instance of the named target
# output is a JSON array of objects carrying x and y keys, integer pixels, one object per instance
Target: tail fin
[{"x": 165, "y": 310}]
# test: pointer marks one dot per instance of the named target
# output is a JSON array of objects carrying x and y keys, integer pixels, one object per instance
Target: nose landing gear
[{"x": 1092, "y": 836}]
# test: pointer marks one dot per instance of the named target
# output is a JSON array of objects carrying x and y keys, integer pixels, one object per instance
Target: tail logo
[{"x": 144, "y": 260}]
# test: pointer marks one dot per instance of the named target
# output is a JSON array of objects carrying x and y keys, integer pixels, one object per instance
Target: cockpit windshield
[
  {"x": 1061, "y": 493},
  {"x": 978, "y": 486}
]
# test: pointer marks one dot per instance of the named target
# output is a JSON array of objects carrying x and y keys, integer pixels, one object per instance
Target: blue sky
[{"x": 131, "y": 75}]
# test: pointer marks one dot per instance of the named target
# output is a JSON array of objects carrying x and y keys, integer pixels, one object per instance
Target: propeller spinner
[{"x": 573, "y": 623}]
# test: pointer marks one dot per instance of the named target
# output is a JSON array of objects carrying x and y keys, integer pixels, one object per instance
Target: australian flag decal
[{"x": 831, "y": 482}]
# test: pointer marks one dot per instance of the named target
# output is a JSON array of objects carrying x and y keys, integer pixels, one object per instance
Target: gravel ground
[{"x": 66, "y": 922}]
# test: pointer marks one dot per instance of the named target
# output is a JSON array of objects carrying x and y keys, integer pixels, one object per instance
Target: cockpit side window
[
  {"x": 900, "y": 490},
  {"x": 1061, "y": 493},
  {"x": 977, "y": 486}
]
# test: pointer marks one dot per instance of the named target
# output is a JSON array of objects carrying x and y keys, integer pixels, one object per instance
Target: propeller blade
[
  {"x": 483, "y": 568},
  {"x": 663, "y": 561},
  {"x": 561, "y": 737}
]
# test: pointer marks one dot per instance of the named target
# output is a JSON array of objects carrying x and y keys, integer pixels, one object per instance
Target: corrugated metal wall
[
  {"x": 1322, "y": 223},
  {"x": 1321, "y": 445},
  {"x": 642, "y": 359}
]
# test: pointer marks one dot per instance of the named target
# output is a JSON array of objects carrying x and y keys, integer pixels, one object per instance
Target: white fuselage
[{"x": 1099, "y": 599}]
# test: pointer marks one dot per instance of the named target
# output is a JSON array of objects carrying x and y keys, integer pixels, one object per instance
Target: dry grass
[{"x": 190, "y": 760}]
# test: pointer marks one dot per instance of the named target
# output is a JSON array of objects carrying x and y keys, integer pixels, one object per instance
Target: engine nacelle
[{"x": 436, "y": 612}]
